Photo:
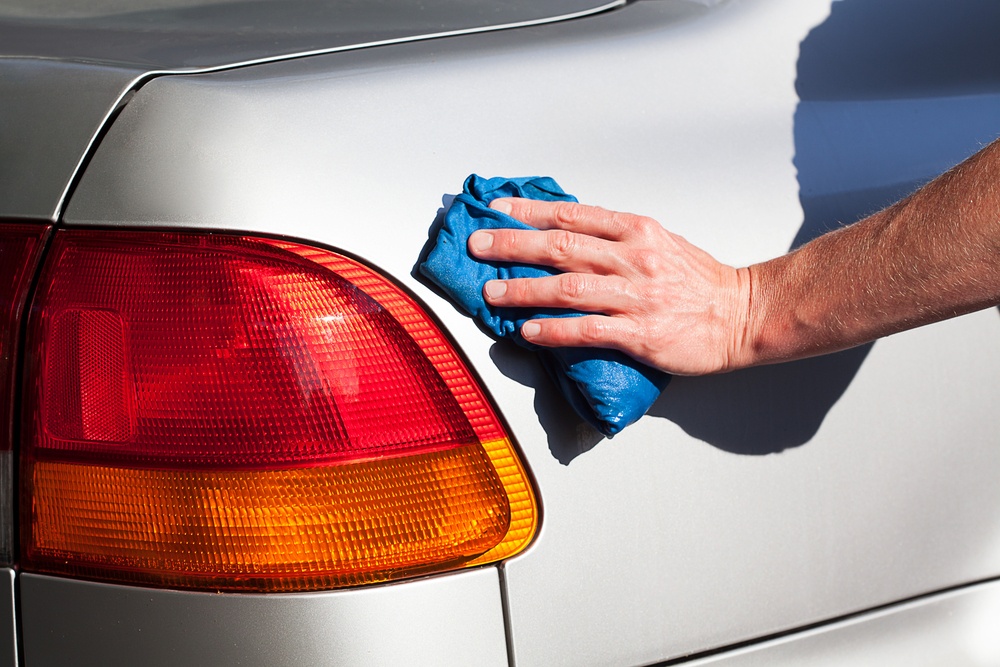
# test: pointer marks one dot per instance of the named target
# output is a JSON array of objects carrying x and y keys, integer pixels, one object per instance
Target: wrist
[
  {"x": 744, "y": 323},
  {"x": 789, "y": 315},
  {"x": 763, "y": 335}
]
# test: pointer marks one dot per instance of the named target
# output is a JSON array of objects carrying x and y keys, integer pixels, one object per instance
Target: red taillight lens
[
  {"x": 20, "y": 247},
  {"x": 240, "y": 413}
]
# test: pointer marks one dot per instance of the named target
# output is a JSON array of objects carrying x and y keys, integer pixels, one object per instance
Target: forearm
[
  {"x": 932, "y": 256},
  {"x": 651, "y": 294}
]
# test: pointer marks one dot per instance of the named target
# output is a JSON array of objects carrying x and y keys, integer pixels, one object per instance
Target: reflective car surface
[{"x": 837, "y": 510}]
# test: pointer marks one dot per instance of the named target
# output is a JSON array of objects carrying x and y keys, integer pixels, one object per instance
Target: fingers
[
  {"x": 578, "y": 218},
  {"x": 578, "y": 291},
  {"x": 572, "y": 237},
  {"x": 646, "y": 292},
  {"x": 558, "y": 248},
  {"x": 586, "y": 331}
]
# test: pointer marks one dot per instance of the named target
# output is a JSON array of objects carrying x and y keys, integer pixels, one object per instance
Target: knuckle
[
  {"x": 521, "y": 209},
  {"x": 593, "y": 330},
  {"x": 649, "y": 225},
  {"x": 572, "y": 286},
  {"x": 519, "y": 291},
  {"x": 561, "y": 244},
  {"x": 648, "y": 262},
  {"x": 646, "y": 228},
  {"x": 565, "y": 212},
  {"x": 505, "y": 241}
]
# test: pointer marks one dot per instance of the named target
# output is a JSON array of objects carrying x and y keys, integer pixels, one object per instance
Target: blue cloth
[{"x": 610, "y": 390}]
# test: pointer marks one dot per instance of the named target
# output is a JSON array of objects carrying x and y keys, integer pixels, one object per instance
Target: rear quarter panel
[{"x": 742, "y": 505}]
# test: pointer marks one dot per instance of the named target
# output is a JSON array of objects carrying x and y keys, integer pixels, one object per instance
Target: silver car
[{"x": 239, "y": 430}]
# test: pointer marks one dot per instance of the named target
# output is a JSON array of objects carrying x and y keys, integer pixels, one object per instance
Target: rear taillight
[
  {"x": 232, "y": 413},
  {"x": 20, "y": 247}
]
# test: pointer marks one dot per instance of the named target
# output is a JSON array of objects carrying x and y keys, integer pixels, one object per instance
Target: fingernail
[
  {"x": 480, "y": 241},
  {"x": 502, "y": 206},
  {"x": 495, "y": 288},
  {"x": 530, "y": 329}
]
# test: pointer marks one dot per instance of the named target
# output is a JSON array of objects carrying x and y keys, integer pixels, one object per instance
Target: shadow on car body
[{"x": 880, "y": 113}]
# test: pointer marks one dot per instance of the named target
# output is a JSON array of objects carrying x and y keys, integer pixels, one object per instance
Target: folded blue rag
[{"x": 610, "y": 390}]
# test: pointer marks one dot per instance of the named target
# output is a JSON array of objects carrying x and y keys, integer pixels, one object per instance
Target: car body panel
[
  {"x": 66, "y": 69},
  {"x": 452, "y": 620},
  {"x": 954, "y": 628},
  {"x": 50, "y": 115},
  {"x": 195, "y": 34},
  {"x": 743, "y": 505}
]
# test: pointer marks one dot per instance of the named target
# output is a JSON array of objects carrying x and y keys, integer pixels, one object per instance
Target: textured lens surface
[
  {"x": 229, "y": 353},
  {"x": 385, "y": 515},
  {"x": 236, "y": 413}
]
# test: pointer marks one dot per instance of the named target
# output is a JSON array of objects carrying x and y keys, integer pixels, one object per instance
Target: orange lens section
[
  {"x": 384, "y": 516},
  {"x": 244, "y": 414}
]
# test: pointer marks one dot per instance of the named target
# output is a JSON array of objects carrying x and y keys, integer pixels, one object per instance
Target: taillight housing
[
  {"x": 238, "y": 413},
  {"x": 20, "y": 247}
]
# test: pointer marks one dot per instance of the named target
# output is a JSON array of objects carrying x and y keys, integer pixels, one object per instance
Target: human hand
[{"x": 651, "y": 294}]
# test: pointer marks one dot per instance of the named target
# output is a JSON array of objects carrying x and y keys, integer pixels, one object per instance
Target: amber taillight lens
[{"x": 235, "y": 413}]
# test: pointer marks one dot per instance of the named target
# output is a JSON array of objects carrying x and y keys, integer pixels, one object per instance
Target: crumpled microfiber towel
[{"x": 609, "y": 389}]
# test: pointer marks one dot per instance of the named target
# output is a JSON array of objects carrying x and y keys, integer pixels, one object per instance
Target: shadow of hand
[{"x": 760, "y": 410}]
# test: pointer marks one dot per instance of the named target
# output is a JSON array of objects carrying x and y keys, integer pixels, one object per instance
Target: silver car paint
[
  {"x": 742, "y": 505},
  {"x": 452, "y": 620},
  {"x": 192, "y": 35},
  {"x": 956, "y": 628},
  {"x": 66, "y": 69},
  {"x": 50, "y": 113}
]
